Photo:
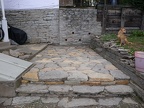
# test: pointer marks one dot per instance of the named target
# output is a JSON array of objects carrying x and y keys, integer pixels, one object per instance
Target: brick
[
  {"x": 100, "y": 77},
  {"x": 24, "y": 81},
  {"x": 91, "y": 83},
  {"x": 122, "y": 82},
  {"x": 54, "y": 83},
  {"x": 108, "y": 83}
]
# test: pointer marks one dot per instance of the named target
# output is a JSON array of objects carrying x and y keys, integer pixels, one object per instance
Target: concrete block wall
[
  {"x": 77, "y": 25},
  {"x": 41, "y": 25},
  {"x": 60, "y": 26}
]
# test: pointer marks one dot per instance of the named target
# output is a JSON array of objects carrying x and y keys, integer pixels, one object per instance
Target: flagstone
[
  {"x": 110, "y": 67},
  {"x": 55, "y": 75},
  {"x": 31, "y": 76},
  {"x": 100, "y": 77},
  {"x": 77, "y": 76}
]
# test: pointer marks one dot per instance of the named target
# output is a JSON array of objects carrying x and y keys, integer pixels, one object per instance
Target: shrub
[
  {"x": 137, "y": 33},
  {"x": 139, "y": 4}
]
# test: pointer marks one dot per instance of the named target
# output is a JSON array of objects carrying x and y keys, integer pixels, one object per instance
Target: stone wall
[
  {"x": 77, "y": 25},
  {"x": 59, "y": 26},
  {"x": 41, "y": 25}
]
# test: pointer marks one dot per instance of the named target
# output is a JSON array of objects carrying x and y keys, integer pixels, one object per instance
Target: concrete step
[
  {"x": 69, "y": 102},
  {"x": 10, "y": 74},
  {"x": 74, "y": 91},
  {"x": 6, "y": 46},
  {"x": 76, "y": 82}
]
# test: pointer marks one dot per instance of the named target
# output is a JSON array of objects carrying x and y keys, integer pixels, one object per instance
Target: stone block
[
  {"x": 31, "y": 76},
  {"x": 108, "y": 83},
  {"x": 54, "y": 83},
  {"x": 77, "y": 76},
  {"x": 7, "y": 89},
  {"x": 60, "y": 89},
  {"x": 122, "y": 82},
  {"x": 80, "y": 102},
  {"x": 109, "y": 101},
  {"x": 24, "y": 100},
  {"x": 100, "y": 77},
  {"x": 88, "y": 89},
  {"x": 32, "y": 88},
  {"x": 119, "y": 89},
  {"x": 49, "y": 100},
  {"x": 53, "y": 75},
  {"x": 117, "y": 74},
  {"x": 24, "y": 81},
  {"x": 90, "y": 83}
]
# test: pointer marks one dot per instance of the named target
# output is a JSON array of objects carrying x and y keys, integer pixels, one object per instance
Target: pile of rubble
[{"x": 125, "y": 56}]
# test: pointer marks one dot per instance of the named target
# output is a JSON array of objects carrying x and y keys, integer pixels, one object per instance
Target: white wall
[{"x": 31, "y": 4}]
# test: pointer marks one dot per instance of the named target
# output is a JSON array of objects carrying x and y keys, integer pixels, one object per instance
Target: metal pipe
[
  {"x": 3, "y": 11},
  {"x": 4, "y": 24}
]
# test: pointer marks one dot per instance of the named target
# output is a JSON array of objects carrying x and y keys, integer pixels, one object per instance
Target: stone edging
[{"x": 122, "y": 60}]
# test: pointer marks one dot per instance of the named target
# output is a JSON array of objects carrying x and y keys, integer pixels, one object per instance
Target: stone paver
[
  {"x": 30, "y": 88},
  {"x": 119, "y": 89},
  {"x": 50, "y": 100},
  {"x": 77, "y": 63},
  {"x": 76, "y": 103},
  {"x": 110, "y": 101},
  {"x": 77, "y": 76},
  {"x": 129, "y": 101},
  {"x": 72, "y": 77},
  {"x": 60, "y": 89},
  {"x": 100, "y": 77},
  {"x": 24, "y": 100},
  {"x": 117, "y": 74},
  {"x": 88, "y": 89},
  {"x": 70, "y": 102},
  {"x": 53, "y": 75}
]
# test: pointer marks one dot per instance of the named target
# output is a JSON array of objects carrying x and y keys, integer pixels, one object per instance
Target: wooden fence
[{"x": 114, "y": 17}]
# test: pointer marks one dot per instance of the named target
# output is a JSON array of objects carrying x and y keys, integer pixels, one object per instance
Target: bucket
[{"x": 139, "y": 61}]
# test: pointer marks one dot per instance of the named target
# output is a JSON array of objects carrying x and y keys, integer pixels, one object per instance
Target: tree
[{"x": 139, "y": 4}]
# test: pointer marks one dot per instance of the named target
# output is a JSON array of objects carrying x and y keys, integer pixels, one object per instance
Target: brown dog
[{"x": 122, "y": 37}]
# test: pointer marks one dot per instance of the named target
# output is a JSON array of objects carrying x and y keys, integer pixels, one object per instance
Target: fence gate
[{"x": 114, "y": 17}]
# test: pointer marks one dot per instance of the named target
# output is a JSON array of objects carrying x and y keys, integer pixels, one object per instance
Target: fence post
[
  {"x": 104, "y": 18},
  {"x": 122, "y": 18},
  {"x": 142, "y": 24}
]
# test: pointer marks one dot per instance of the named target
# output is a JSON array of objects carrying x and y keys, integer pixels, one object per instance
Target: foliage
[
  {"x": 136, "y": 37},
  {"x": 139, "y": 4},
  {"x": 108, "y": 37},
  {"x": 137, "y": 33}
]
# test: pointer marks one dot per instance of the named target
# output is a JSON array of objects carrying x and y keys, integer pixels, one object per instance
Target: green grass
[
  {"x": 108, "y": 37},
  {"x": 136, "y": 37}
]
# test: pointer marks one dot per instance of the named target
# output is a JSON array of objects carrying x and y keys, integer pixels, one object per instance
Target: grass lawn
[{"x": 136, "y": 37}]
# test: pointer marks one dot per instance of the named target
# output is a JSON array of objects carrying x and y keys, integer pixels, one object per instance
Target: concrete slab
[
  {"x": 11, "y": 67},
  {"x": 14, "y": 61},
  {"x": 10, "y": 71}
]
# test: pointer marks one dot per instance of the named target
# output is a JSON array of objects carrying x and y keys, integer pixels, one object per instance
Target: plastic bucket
[{"x": 139, "y": 61}]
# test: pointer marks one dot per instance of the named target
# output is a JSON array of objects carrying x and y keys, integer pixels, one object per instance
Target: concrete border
[{"x": 137, "y": 82}]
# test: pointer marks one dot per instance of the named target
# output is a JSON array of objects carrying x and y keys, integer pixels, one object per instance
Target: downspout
[{"x": 4, "y": 23}]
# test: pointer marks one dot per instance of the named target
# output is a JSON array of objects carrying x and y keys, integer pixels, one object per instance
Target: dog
[{"x": 122, "y": 37}]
